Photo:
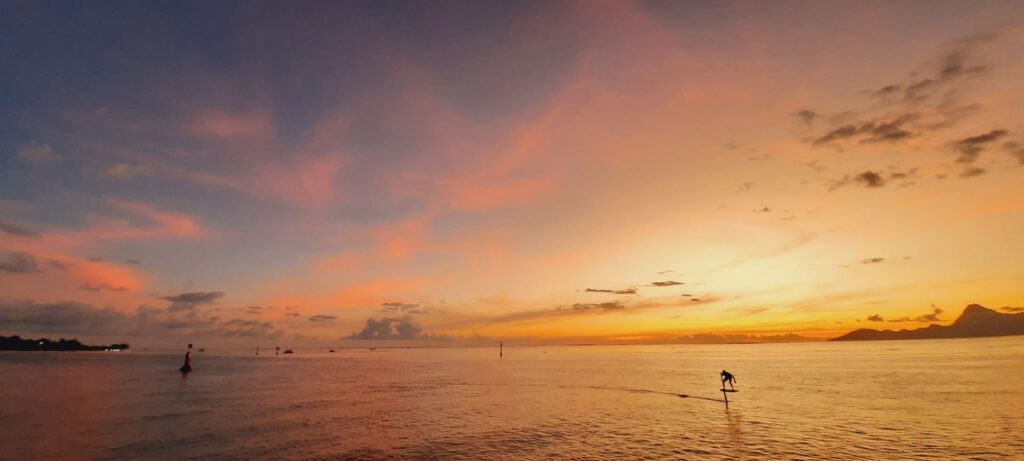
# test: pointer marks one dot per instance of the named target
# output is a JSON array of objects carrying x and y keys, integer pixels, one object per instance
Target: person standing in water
[
  {"x": 728, "y": 378},
  {"x": 187, "y": 367}
]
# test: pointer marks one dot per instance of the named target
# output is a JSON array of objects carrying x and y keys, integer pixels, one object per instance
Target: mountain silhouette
[{"x": 976, "y": 321}]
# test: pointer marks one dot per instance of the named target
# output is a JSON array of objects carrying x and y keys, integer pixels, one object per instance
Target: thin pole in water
[
  {"x": 725, "y": 395},
  {"x": 501, "y": 349}
]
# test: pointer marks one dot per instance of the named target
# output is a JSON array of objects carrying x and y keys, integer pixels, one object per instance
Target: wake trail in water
[
  {"x": 605, "y": 388},
  {"x": 649, "y": 391}
]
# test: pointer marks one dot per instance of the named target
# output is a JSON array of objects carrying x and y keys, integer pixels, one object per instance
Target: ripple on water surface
[{"x": 911, "y": 400}]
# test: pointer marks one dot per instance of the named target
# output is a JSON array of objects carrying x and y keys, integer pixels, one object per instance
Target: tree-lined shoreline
[{"x": 17, "y": 343}]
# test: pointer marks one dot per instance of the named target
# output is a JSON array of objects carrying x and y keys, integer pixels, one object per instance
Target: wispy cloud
[
  {"x": 624, "y": 291},
  {"x": 407, "y": 308},
  {"x": 82, "y": 318},
  {"x": 667, "y": 283},
  {"x": 191, "y": 300},
  {"x": 924, "y": 318},
  {"x": 17, "y": 230},
  {"x": 588, "y": 307},
  {"x": 19, "y": 262},
  {"x": 38, "y": 153}
]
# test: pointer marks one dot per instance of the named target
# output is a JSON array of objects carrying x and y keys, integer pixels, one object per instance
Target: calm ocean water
[{"x": 933, "y": 399}]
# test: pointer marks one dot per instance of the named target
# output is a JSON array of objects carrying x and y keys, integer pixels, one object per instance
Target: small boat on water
[
  {"x": 289, "y": 351},
  {"x": 332, "y": 350}
]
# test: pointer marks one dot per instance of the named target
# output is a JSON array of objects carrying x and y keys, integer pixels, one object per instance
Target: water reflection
[{"x": 582, "y": 402}]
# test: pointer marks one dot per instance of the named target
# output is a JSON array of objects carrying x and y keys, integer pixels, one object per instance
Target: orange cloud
[{"x": 100, "y": 275}]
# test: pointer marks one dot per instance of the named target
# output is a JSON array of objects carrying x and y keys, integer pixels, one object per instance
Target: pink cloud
[
  {"x": 163, "y": 224},
  {"x": 307, "y": 182},
  {"x": 483, "y": 195},
  {"x": 232, "y": 126}
]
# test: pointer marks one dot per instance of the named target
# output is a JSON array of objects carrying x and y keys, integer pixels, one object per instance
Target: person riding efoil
[{"x": 728, "y": 378}]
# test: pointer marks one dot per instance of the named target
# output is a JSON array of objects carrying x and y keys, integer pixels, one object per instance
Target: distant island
[
  {"x": 16, "y": 343},
  {"x": 976, "y": 321}
]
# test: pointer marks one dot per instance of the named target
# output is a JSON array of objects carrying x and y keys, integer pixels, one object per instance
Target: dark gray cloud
[
  {"x": 872, "y": 131},
  {"x": 57, "y": 265},
  {"x": 322, "y": 318},
  {"x": 19, "y": 262},
  {"x": 930, "y": 100},
  {"x": 154, "y": 321},
  {"x": 15, "y": 229},
  {"x": 970, "y": 148},
  {"x": 191, "y": 300},
  {"x": 956, "y": 63},
  {"x": 407, "y": 308},
  {"x": 1016, "y": 149},
  {"x": 806, "y": 116},
  {"x": 930, "y": 317},
  {"x": 608, "y": 306},
  {"x": 63, "y": 317},
  {"x": 197, "y": 297},
  {"x": 540, "y": 315},
  {"x": 876, "y": 318},
  {"x": 959, "y": 61},
  {"x": 887, "y": 91},
  {"x": 1013, "y": 309},
  {"x": 869, "y": 179},
  {"x": 971, "y": 172},
  {"x": 390, "y": 328},
  {"x": 667, "y": 283},
  {"x": 243, "y": 328},
  {"x": 624, "y": 291},
  {"x": 906, "y": 177},
  {"x": 874, "y": 179},
  {"x": 81, "y": 318},
  {"x": 765, "y": 209},
  {"x": 872, "y": 260}
]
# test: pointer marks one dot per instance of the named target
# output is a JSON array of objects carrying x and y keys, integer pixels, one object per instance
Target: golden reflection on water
[{"x": 884, "y": 400}]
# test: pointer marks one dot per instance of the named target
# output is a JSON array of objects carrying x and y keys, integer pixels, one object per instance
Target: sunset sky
[{"x": 299, "y": 173}]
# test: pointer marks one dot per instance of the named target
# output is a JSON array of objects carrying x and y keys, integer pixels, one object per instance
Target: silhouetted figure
[
  {"x": 187, "y": 367},
  {"x": 501, "y": 349},
  {"x": 728, "y": 378}
]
